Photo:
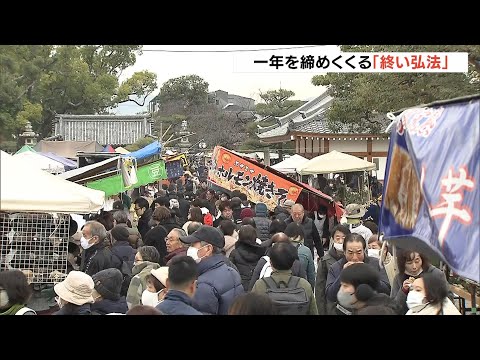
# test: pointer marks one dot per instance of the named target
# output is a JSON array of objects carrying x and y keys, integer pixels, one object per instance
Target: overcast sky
[{"x": 220, "y": 66}]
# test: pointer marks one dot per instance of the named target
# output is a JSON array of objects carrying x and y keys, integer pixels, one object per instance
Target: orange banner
[{"x": 232, "y": 172}]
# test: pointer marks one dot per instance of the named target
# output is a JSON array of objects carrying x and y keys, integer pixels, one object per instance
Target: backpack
[
  {"x": 289, "y": 299},
  {"x": 126, "y": 269},
  {"x": 266, "y": 269},
  {"x": 24, "y": 310}
]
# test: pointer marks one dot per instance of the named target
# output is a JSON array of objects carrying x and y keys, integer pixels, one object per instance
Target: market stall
[{"x": 35, "y": 224}]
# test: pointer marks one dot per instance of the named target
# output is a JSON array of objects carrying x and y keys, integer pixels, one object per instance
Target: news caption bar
[{"x": 349, "y": 62}]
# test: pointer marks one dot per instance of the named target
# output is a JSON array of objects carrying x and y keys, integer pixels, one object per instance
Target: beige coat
[
  {"x": 229, "y": 244},
  {"x": 390, "y": 268}
]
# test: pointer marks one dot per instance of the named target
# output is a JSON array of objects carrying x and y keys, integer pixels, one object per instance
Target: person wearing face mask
[
  {"x": 156, "y": 286},
  {"x": 95, "y": 255},
  {"x": 182, "y": 283},
  {"x": 218, "y": 284},
  {"x": 354, "y": 249},
  {"x": 14, "y": 293},
  {"x": 74, "y": 294},
  {"x": 335, "y": 253},
  {"x": 411, "y": 266},
  {"x": 429, "y": 296},
  {"x": 358, "y": 290},
  {"x": 374, "y": 250},
  {"x": 146, "y": 259}
]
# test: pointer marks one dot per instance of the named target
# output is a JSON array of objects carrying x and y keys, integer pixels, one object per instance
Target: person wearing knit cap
[
  {"x": 106, "y": 293},
  {"x": 246, "y": 212}
]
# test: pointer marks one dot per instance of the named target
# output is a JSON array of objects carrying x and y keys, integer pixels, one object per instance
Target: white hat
[
  {"x": 77, "y": 288},
  {"x": 161, "y": 274},
  {"x": 354, "y": 211}
]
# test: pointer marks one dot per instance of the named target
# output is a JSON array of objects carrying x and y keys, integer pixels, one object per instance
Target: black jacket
[
  {"x": 143, "y": 226},
  {"x": 383, "y": 300},
  {"x": 245, "y": 257},
  {"x": 96, "y": 258},
  {"x": 107, "y": 306},
  {"x": 122, "y": 251}
]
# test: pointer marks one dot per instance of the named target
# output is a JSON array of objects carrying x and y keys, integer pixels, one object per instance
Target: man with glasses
[
  {"x": 143, "y": 211},
  {"x": 174, "y": 246}
]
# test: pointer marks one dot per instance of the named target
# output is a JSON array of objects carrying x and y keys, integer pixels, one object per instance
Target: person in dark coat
[
  {"x": 236, "y": 203},
  {"x": 312, "y": 237},
  {"x": 95, "y": 256},
  {"x": 134, "y": 238},
  {"x": 184, "y": 206},
  {"x": 226, "y": 211},
  {"x": 121, "y": 248},
  {"x": 373, "y": 211},
  {"x": 181, "y": 283},
  {"x": 259, "y": 271},
  {"x": 246, "y": 254},
  {"x": 334, "y": 254},
  {"x": 358, "y": 291},
  {"x": 283, "y": 212},
  {"x": 262, "y": 222},
  {"x": 354, "y": 249},
  {"x": 142, "y": 209},
  {"x": 156, "y": 236},
  {"x": 217, "y": 285},
  {"x": 106, "y": 293}
]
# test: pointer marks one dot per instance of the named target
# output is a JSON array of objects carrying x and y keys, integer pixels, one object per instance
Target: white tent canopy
[
  {"x": 334, "y": 162},
  {"x": 289, "y": 165},
  {"x": 36, "y": 161},
  {"x": 32, "y": 190}
]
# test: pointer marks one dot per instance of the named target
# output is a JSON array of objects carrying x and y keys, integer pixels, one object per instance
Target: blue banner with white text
[{"x": 431, "y": 200}]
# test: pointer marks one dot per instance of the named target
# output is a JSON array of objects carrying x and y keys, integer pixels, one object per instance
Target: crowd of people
[{"x": 195, "y": 251}]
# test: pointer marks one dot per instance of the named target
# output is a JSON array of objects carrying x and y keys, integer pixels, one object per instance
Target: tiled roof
[
  {"x": 305, "y": 114},
  {"x": 103, "y": 117},
  {"x": 314, "y": 121}
]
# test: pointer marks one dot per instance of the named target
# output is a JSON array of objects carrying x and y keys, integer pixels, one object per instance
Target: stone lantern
[{"x": 29, "y": 135}]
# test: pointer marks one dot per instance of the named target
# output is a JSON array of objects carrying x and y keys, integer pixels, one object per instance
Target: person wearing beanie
[
  {"x": 246, "y": 212},
  {"x": 359, "y": 283},
  {"x": 262, "y": 221},
  {"x": 106, "y": 293},
  {"x": 121, "y": 249}
]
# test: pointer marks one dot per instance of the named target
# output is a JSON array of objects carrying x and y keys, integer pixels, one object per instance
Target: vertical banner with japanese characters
[
  {"x": 232, "y": 172},
  {"x": 431, "y": 201}
]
